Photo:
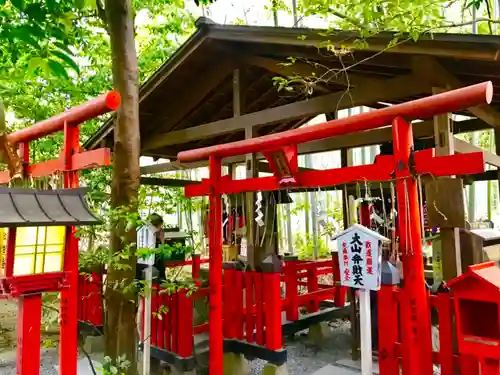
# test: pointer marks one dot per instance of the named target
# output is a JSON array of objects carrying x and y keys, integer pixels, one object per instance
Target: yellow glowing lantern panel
[{"x": 39, "y": 250}]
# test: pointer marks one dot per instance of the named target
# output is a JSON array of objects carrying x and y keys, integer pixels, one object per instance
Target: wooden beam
[
  {"x": 430, "y": 69},
  {"x": 312, "y": 72},
  {"x": 170, "y": 182},
  {"x": 373, "y": 137},
  {"x": 463, "y": 147},
  {"x": 190, "y": 99},
  {"x": 395, "y": 88}
]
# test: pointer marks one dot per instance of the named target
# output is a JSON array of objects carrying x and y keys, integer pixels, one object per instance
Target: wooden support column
[
  {"x": 346, "y": 216},
  {"x": 449, "y": 251},
  {"x": 497, "y": 152}
]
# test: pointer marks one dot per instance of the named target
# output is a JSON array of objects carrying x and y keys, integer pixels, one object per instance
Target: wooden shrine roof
[{"x": 195, "y": 86}]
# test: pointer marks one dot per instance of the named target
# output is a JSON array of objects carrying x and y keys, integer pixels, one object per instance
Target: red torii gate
[
  {"x": 281, "y": 151},
  {"x": 71, "y": 160}
]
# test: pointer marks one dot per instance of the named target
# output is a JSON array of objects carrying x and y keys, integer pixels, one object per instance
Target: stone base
[
  {"x": 235, "y": 364},
  {"x": 270, "y": 369},
  {"x": 318, "y": 333},
  {"x": 94, "y": 344}
]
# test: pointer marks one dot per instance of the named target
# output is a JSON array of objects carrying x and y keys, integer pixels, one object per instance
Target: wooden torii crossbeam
[{"x": 404, "y": 167}]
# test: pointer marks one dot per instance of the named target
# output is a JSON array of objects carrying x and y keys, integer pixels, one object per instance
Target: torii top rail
[{"x": 281, "y": 149}]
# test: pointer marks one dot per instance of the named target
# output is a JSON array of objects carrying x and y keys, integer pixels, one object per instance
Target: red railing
[
  {"x": 90, "y": 299},
  {"x": 252, "y": 300},
  {"x": 392, "y": 346}
]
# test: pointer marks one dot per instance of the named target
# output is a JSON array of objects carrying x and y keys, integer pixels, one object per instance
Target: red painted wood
[
  {"x": 185, "y": 305},
  {"x": 85, "y": 160},
  {"x": 215, "y": 271},
  {"x": 167, "y": 325},
  {"x": 154, "y": 315},
  {"x": 249, "y": 302},
  {"x": 228, "y": 305},
  {"x": 449, "y": 101},
  {"x": 291, "y": 291},
  {"x": 272, "y": 305},
  {"x": 74, "y": 116},
  {"x": 415, "y": 315},
  {"x": 28, "y": 334},
  {"x": 388, "y": 331},
  {"x": 340, "y": 291},
  {"x": 238, "y": 304},
  {"x": 381, "y": 170},
  {"x": 69, "y": 297},
  {"x": 259, "y": 308},
  {"x": 312, "y": 286},
  {"x": 444, "y": 308}
]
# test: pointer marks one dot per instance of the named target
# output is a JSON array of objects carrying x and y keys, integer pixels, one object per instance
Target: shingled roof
[{"x": 195, "y": 86}]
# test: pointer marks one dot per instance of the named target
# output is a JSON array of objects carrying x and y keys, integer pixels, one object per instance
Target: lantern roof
[{"x": 21, "y": 207}]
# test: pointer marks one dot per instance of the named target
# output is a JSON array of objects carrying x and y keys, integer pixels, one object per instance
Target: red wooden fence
[{"x": 392, "y": 346}]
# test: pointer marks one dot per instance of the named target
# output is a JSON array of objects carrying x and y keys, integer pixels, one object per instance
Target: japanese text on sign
[{"x": 360, "y": 258}]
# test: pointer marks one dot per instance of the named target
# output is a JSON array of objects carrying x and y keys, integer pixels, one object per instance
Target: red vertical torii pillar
[{"x": 415, "y": 315}]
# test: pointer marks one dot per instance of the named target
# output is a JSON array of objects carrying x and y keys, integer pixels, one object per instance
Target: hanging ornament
[
  {"x": 258, "y": 211},
  {"x": 225, "y": 199}
]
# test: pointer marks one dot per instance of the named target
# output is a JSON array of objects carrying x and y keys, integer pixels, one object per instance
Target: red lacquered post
[
  {"x": 416, "y": 317},
  {"x": 215, "y": 272},
  {"x": 69, "y": 296},
  {"x": 445, "y": 319},
  {"x": 195, "y": 270},
  {"x": 291, "y": 288},
  {"x": 272, "y": 303},
  {"x": 228, "y": 305},
  {"x": 388, "y": 330},
  {"x": 238, "y": 304},
  {"x": 259, "y": 308},
  {"x": 312, "y": 286},
  {"x": 28, "y": 335},
  {"x": 185, "y": 304},
  {"x": 249, "y": 292}
]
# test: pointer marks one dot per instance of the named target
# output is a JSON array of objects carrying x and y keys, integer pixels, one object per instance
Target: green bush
[{"x": 304, "y": 245}]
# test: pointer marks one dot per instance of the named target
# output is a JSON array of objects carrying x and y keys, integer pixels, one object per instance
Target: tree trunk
[{"x": 120, "y": 326}]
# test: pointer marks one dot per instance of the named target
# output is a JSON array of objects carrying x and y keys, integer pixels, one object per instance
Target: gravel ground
[
  {"x": 304, "y": 359},
  {"x": 49, "y": 358}
]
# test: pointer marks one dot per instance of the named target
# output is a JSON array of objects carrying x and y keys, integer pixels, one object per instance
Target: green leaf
[
  {"x": 24, "y": 35},
  {"x": 68, "y": 60},
  {"x": 19, "y": 4},
  {"x": 57, "y": 68}
]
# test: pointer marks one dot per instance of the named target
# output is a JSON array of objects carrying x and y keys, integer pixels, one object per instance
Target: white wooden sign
[{"x": 360, "y": 258}]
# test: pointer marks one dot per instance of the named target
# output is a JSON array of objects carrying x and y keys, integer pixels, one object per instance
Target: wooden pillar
[
  {"x": 449, "y": 251},
  {"x": 346, "y": 216},
  {"x": 497, "y": 152}
]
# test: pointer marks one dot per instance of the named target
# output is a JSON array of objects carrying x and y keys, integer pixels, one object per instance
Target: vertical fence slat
[
  {"x": 249, "y": 298},
  {"x": 174, "y": 323},
  {"x": 160, "y": 340},
  {"x": 168, "y": 322},
  {"x": 228, "y": 303},
  {"x": 238, "y": 304},
  {"x": 185, "y": 330},
  {"x": 340, "y": 291},
  {"x": 312, "y": 286},
  {"x": 259, "y": 311},
  {"x": 388, "y": 330},
  {"x": 291, "y": 289},
  {"x": 272, "y": 301},
  {"x": 443, "y": 305},
  {"x": 154, "y": 312}
]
